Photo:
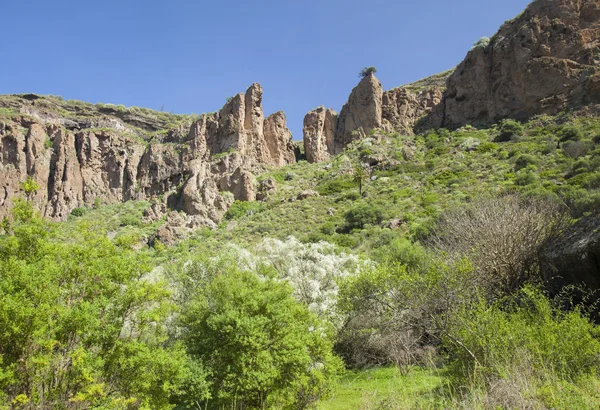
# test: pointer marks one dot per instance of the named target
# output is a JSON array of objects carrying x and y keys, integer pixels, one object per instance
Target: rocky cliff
[
  {"x": 542, "y": 62},
  {"x": 368, "y": 108},
  {"x": 79, "y": 153}
]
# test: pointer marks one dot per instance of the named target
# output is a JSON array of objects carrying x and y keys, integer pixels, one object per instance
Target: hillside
[{"x": 436, "y": 245}]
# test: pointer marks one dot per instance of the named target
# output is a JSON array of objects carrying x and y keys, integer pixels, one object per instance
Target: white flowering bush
[{"x": 313, "y": 270}]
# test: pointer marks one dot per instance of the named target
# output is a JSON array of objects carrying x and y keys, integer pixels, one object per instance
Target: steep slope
[{"x": 80, "y": 153}]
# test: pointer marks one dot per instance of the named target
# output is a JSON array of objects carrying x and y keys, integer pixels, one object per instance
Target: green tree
[
  {"x": 262, "y": 348},
  {"x": 83, "y": 322},
  {"x": 30, "y": 187},
  {"x": 359, "y": 176},
  {"x": 365, "y": 72},
  {"x": 362, "y": 214}
]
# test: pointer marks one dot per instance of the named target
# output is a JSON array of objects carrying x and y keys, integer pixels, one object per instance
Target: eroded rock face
[
  {"x": 74, "y": 166},
  {"x": 368, "y": 108},
  {"x": 403, "y": 108},
  {"x": 319, "y": 134},
  {"x": 278, "y": 140},
  {"x": 539, "y": 63},
  {"x": 361, "y": 114}
]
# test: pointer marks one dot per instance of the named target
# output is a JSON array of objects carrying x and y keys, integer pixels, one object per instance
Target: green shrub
[
  {"x": 336, "y": 185},
  {"x": 130, "y": 220},
  {"x": 77, "y": 212},
  {"x": 367, "y": 71},
  {"x": 525, "y": 177},
  {"x": 241, "y": 209},
  {"x": 575, "y": 149},
  {"x": 487, "y": 147},
  {"x": 261, "y": 348},
  {"x": 509, "y": 130},
  {"x": 362, "y": 214},
  {"x": 570, "y": 133},
  {"x": 490, "y": 341},
  {"x": 524, "y": 160}
]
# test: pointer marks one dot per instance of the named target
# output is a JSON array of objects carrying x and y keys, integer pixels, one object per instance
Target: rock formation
[
  {"x": 545, "y": 60},
  {"x": 137, "y": 154},
  {"x": 368, "y": 108},
  {"x": 362, "y": 112},
  {"x": 319, "y": 134},
  {"x": 538, "y": 63},
  {"x": 403, "y": 108}
]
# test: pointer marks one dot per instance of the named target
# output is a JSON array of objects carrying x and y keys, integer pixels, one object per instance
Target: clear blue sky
[{"x": 189, "y": 56}]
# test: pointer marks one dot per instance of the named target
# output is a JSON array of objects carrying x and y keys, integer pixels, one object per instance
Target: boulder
[{"x": 574, "y": 258}]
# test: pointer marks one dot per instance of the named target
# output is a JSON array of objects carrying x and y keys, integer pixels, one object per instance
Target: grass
[{"x": 384, "y": 388}]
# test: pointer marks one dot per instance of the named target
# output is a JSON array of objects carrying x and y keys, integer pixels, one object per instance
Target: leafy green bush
[
  {"x": 81, "y": 324},
  {"x": 525, "y": 160},
  {"x": 261, "y": 348},
  {"x": 489, "y": 341},
  {"x": 509, "y": 130},
  {"x": 570, "y": 133},
  {"x": 241, "y": 209},
  {"x": 336, "y": 185},
  {"x": 130, "y": 220},
  {"x": 362, "y": 214},
  {"x": 77, "y": 212}
]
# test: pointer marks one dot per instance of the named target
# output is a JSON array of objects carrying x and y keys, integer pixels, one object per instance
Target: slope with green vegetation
[{"x": 402, "y": 257}]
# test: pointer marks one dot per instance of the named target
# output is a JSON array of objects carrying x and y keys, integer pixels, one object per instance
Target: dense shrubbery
[
  {"x": 260, "y": 347},
  {"x": 83, "y": 325},
  {"x": 465, "y": 296},
  {"x": 241, "y": 209}
]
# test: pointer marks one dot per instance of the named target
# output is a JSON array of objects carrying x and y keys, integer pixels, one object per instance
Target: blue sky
[{"x": 189, "y": 56}]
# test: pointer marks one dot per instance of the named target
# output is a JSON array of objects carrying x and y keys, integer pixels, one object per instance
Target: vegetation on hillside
[{"x": 415, "y": 268}]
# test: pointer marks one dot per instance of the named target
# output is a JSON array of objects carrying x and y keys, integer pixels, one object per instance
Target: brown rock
[
  {"x": 278, "y": 140},
  {"x": 402, "y": 108},
  {"x": 538, "y": 63},
  {"x": 574, "y": 258},
  {"x": 308, "y": 193},
  {"x": 361, "y": 114},
  {"x": 319, "y": 134},
  {"x": 266, "y": 188}
]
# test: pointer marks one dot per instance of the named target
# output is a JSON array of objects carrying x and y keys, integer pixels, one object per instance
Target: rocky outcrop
[
  {"x": 189, "y": 165},
  {"x": 369, "y": 108},
  {"x": 402, "y": 108},
  {"x": 574, "y": 259},
  {"x": 319, "y": 134},
  {"x": 278, "y": 140},
  {"x": 361, "y": 114},
  {"x": 541, "y": 62}
]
